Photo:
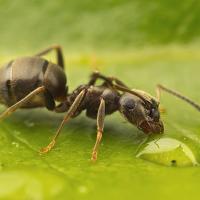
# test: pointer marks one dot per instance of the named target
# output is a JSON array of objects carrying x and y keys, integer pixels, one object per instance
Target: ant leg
[
  {"x": 119, "y": 82},
  {"x": 49, "y": 101},
  {"x": 180, "y": 96},
  {"x": 97, "y": 75},
  {"x": 59, "y": 53},
  {"x": 100, "y": 126},
  {"x": 67, "y": 117},
  {"x": 14, "y": 107}
]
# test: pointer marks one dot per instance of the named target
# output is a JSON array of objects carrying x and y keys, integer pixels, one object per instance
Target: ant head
[{"x": 142, "y": 112}]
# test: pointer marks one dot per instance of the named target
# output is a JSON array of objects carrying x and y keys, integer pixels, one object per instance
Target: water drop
[{"x": 169, "y": 152}]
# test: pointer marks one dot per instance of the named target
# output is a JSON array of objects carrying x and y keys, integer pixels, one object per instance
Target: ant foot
[
  {"x": 94, "y": 156},
  {"x": 47, "y": 148}
]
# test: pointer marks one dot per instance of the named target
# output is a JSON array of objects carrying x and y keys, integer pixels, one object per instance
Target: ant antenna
[{"x": 180, "y": 96}]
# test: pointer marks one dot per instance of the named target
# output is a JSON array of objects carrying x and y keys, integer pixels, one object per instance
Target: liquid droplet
[{"x": 169, "y": 152}]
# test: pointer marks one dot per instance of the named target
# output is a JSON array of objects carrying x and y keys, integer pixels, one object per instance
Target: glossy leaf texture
[{"x": 127, "y": 166}]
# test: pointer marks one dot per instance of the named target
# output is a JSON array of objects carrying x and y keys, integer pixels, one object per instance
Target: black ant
[{"x": 31, "y": 82}]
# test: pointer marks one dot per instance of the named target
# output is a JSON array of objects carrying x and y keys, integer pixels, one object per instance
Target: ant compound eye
[{"x": 154, "y": 113}]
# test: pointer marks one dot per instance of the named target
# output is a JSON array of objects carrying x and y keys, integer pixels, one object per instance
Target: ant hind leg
[
  {"x": 67, "y": 117},
  {"x": 14, "y": 107},
  {"x": 59, "y": 53}
]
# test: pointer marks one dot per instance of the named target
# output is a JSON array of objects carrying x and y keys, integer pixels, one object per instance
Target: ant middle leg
[
  {"x": 100, "y": 127},
  {"x": 113, "y": 83},
  {"x": 17, "y": 105},
  {"x": 109, "y": 80},
  {"x": 72, "y": 110},
  {"x": 59, "y": 53}
]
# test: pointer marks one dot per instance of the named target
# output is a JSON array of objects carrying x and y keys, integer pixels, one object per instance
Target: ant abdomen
[{"x": 24, "y": 75}]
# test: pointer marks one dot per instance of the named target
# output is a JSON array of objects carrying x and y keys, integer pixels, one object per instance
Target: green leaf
[
  {"x": 117, "y": 37},
  {"x": 66, "y": 171}
]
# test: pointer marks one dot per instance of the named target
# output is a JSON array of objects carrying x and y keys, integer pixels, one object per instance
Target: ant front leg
[
  {"x": 59, "y": 53},
  {"x": 100, "y": 127},
  {"x": 67, "y": 117}
]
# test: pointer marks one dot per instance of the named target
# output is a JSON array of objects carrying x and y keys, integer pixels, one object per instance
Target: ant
[{"x": 31, "y": 82}]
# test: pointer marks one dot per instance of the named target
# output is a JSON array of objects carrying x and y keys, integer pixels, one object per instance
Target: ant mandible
[{"x": 31, "y": 82}]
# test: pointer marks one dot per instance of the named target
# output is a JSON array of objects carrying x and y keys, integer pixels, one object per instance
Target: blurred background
[
  {"x": 82, "y": 26},
  {"x": 143, "y": 42}
]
